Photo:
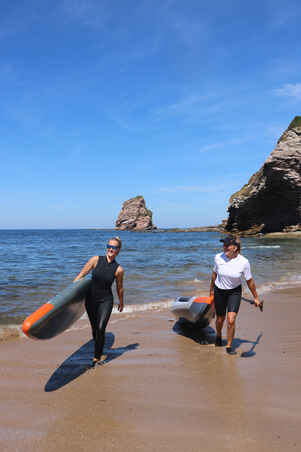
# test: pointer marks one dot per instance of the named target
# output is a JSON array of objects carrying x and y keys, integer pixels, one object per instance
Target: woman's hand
[
  {"x": 257, "y": 302},
  {"x": 119, "y": 283}
]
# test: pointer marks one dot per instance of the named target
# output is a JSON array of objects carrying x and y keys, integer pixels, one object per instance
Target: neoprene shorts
[{"x": 227, "y": 300}]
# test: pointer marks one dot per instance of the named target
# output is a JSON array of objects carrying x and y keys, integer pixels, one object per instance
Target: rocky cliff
[
  {"x": 271, "y": 200},
  {"x": 134, "y": 216}
]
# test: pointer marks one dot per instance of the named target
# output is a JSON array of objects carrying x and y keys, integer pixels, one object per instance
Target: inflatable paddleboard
[
  {"x": 59, "y": 313},
  {"x": 197, "y": 310}
]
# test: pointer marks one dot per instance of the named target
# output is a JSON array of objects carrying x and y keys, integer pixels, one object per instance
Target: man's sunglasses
[{"x": 112, "y": 246}]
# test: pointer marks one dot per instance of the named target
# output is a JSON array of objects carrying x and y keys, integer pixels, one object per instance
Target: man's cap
[{"x": 229, "y": 241}]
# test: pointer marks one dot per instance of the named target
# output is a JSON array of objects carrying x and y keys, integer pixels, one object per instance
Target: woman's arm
[
  {"x": 213, "y": 278},
  {"x": 119, "y": 283},
  {"x": 87, "y": 268},
  {"x": 252, "y": 287}
]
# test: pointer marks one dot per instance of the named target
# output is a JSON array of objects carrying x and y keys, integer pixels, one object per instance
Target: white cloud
[
  {"x": 191, "y": 106},
  {"x": 182, "y": 105},
  {"x": 222, "y": 144},
  {"x": 289, "y": 90},
  {"x": 211, "y": 147}
]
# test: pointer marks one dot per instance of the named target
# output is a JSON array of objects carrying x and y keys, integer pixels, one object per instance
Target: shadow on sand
[
  {"x": 203, "y": 336},
  {"x": 80, "y": 361},
  {"x": 206, "y": 336},
  {"x": 249, "y": 353}
]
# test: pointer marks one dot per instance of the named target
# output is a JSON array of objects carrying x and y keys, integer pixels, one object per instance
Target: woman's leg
[
  {"x": 103, "y": 313},
  {"x": 234, "y": 300},
  {"x": 231, "y": 317},
  {"x": 91, "y": 311},
  {"x": 220, "y": 303},
  {"x": 219, "y": 322}
]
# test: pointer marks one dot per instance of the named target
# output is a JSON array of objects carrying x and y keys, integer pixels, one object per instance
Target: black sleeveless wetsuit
[{"x": 99, "y": 303}]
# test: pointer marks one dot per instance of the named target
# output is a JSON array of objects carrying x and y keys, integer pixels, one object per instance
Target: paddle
[{"x": 253, "y": 302}]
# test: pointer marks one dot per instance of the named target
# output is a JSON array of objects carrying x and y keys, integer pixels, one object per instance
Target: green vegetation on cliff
[
  {"x": 296, "y": 122},
  {"x": 135, "y": 197},
  {"x": 149, "y": 213},
  {"x": 246, "y": 189}
]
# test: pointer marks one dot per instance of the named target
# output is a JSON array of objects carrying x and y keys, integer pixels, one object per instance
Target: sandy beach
[{"x": 163, "y": 388}]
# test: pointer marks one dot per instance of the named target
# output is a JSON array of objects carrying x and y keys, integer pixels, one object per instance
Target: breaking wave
[
  {"x": 261, "y": 246},
  {"x": 10, "y": 332}
]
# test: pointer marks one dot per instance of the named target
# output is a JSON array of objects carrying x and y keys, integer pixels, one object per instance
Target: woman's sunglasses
[{"x": 112, "y": 246}]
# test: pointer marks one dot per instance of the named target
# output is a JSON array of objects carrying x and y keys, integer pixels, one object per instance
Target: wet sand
[{"x": 163, "y": 388}]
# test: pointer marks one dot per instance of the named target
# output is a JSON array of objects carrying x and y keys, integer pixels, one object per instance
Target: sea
[{"x": 159, "y": 266}]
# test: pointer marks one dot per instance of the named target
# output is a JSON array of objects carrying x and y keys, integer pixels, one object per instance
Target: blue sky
[{"x": 103, "y": 100}]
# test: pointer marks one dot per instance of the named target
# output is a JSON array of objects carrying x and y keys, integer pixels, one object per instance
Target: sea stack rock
[
  {"x": 134, "y": 216},
  {"x": 271, "y": 200}
]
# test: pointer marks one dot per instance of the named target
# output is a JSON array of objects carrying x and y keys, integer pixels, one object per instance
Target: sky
[{"x": 177, "y": 101}]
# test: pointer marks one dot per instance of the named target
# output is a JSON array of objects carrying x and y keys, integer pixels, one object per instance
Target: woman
[
  {"x": 99, "y": 303},
  {"x": 229, "y": 267}
]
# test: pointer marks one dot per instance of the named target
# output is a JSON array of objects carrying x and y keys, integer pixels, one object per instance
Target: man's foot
[
  {"x": 218, "y": 341},
  {"x": 230, "y": 351}
]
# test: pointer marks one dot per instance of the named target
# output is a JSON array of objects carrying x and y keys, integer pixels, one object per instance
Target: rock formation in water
[
  {"x": 271, "y": 200},
  {"x": 134, "y": 216}
]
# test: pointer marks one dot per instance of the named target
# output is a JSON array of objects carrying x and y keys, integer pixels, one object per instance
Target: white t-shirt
[{"x": 230, "y": 271}]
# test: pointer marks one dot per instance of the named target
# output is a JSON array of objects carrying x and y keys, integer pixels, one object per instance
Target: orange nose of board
[
  {"x": 207, "y": 300},
  {"x": 31, "y": 320}
]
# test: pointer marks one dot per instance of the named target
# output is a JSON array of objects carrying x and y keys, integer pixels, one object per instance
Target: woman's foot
[
  {"x": 230, "y": 350},
  {"x": 95, "y": 361}
]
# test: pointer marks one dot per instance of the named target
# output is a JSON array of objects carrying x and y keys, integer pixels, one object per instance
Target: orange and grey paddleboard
[
  {"x": 198, "y": 310},
  {"x": 59, "y": 313}
]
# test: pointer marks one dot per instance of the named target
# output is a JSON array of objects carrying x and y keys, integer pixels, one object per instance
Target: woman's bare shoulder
[
  {"x": 93, "y": 260},
  {"x": 119, "y": 270}
]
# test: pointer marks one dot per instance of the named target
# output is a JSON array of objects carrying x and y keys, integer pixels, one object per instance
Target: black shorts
[{"x": 227, "y": 300}]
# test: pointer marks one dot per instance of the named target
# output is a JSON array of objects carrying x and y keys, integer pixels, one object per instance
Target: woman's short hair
[{"x": 117, "y": 239}]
